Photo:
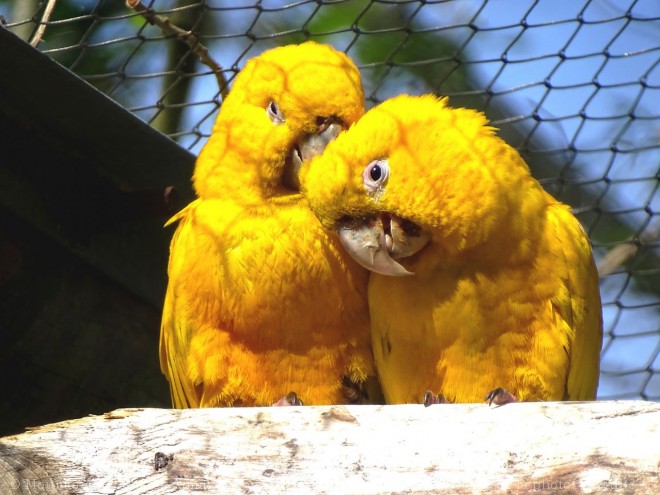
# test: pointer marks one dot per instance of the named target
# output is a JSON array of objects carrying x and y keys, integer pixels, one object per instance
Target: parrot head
[
  {"x": 284, "y": 107},
  {"x": 414, "y": 176}
]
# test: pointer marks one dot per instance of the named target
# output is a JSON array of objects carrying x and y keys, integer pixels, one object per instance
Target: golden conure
[
  {"x": 260, "y": 300},
  {"x": 495, "y": 287}
]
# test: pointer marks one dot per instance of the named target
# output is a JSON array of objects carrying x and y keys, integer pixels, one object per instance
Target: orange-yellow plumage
[
  {"x": 260, "y": 300},
  {"x": 505, "y": 292}
]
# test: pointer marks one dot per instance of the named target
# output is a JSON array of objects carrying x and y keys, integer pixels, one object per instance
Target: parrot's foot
[
  {"x": 290, "y": 399},
  {"x": 430, "y": 398},
  {"x": 353, "y": 392},
  {"x": 500, "y": 396}
]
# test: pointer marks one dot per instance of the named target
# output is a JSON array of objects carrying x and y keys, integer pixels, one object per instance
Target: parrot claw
[
  {"x": 353, "y": 392},
  {"x": 430, "y": 398},
  {"x": 500, "y": 396},
  {"x": 290, "y": 399}
]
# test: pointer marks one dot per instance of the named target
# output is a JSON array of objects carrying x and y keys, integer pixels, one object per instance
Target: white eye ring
[
  {"x": 375, "y": 175},
  {"x": 274, "y": 113}
]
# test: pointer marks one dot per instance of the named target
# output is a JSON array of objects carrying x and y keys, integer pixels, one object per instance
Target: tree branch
[
  {"x": 522, "y": 448},
  {"x": 621, "y": 254},
  {"x": 186, "y": 36},
  {"x": 48, "y": 11}
]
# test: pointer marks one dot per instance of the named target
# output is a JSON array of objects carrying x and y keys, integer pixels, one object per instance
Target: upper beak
[
  {"x": 375, "y": 242},
  {"x": 307, "y": 148}
]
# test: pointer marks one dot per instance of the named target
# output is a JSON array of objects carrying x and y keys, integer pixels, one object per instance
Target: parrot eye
[
  {"x": 274, "y": 113},
  {"x": 375, "y": 175}
]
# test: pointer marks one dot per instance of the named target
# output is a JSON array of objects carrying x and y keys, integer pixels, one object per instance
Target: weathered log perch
[{"x": 583, "y": 447}]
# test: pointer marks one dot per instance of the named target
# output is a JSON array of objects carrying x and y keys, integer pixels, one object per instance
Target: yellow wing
[
  {"x": 173, "y": 337},
  {"x": 178, "y": 325},
  {"x": 578, "y": 302}
]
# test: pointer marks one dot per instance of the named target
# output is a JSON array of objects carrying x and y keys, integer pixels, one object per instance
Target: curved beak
[
  {"x": 376, "y": 242},
  {"x": 307, "y": 148}
]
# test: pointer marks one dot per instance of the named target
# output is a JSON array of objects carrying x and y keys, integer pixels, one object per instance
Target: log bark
[{"x": 580, "y": 447}]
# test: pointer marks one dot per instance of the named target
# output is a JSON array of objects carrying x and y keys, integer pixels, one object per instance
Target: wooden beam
[
  {"x": 64, "y": 109},
  {"x": 86, "y": 172},
  {"x": 587, "y": 447}
]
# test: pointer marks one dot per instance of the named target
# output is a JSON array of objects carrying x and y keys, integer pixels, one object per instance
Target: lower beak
[
  {"x": 306, "y": 149},
  {"x": 376, "y": 242}
]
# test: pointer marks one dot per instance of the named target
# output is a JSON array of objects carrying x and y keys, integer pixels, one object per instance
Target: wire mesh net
[{"x": 573, "y": 85}]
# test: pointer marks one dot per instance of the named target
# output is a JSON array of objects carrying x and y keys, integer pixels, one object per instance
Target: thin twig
[
  {"x": 621, "y": 254},
  {"x": 188, "y": 37},
  {"x": 48, "y": 11}
]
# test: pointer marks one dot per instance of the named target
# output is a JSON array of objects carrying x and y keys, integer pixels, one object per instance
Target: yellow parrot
[
  {"x": 494, "y": 287},
  {"x": 260, "y": 300}
]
